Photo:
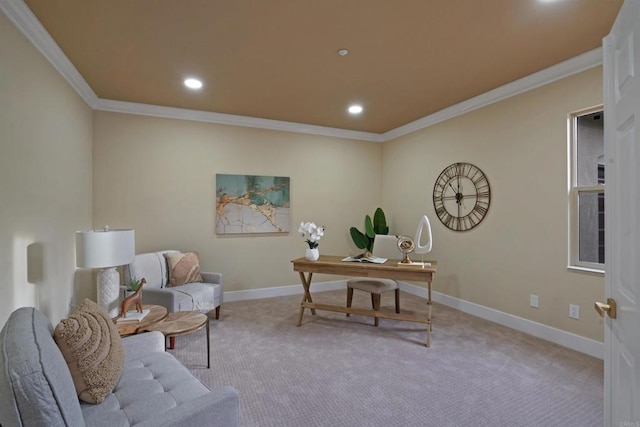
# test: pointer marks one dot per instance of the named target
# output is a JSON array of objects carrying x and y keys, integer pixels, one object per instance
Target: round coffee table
[
  {"x": 183, "y": 323},
  {"x": 157, "y": 313}
]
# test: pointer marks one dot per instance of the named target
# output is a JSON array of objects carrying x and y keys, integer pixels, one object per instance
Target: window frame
[{"x": 574, "y": 191}]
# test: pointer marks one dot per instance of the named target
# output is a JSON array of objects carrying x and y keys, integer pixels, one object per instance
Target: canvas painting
[{"x": 252, "y": 204}]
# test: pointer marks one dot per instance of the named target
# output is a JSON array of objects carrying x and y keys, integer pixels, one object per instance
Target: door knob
[{"x": 609, "y": 308}]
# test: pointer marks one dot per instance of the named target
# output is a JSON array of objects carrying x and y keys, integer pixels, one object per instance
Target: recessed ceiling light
[
  {"x": 355, "y": 109},
  {"x": 343, "y": 52},
  {"x": 192, "y": 83}
]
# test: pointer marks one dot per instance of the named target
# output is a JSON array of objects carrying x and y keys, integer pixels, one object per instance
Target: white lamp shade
[{"x": 104, "y": 248}]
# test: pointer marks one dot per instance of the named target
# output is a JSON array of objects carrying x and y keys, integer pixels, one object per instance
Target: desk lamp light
[{"x": 106, "y": 249}]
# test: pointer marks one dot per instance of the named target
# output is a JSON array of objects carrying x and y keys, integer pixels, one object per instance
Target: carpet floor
[{"x": 338, "y": 371}]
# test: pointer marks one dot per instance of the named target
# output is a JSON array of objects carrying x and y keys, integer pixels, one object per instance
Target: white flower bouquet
[{"x": 311, "y": 233}]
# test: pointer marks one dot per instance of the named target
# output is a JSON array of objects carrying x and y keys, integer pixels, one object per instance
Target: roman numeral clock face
[{"x": 461, "y": 196}]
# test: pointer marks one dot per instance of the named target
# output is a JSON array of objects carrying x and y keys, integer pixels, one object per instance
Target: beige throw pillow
[
  {"x": 91, "y": 346},
  {"x": 183, "y": 268}
]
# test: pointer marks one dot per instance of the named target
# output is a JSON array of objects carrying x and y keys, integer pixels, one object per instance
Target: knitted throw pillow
[
  {"x": 183, "y": 268},
  {"x": 91, "y": 346}
]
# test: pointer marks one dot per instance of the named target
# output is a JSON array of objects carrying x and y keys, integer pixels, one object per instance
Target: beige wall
[
  {"x": 521, "y": 247},
  {"x": 45, "y": 179},
  {"x": 158, "y": 176}
]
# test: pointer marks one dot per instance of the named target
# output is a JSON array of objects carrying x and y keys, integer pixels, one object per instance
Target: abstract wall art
[{"x": 247, "y": 204}]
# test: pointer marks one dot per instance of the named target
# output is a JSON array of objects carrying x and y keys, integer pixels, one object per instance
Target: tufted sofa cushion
[
  {"x": 148, "y": 385},
  {"x": 154, "y": 390}
]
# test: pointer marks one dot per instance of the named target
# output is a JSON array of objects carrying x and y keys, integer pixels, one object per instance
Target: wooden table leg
[
  {"x": 428, "y": 343},
  {"x": 306, "y": 284},
  {"x": 429, "y": 313},
  {"x": 208, "y": 347}
]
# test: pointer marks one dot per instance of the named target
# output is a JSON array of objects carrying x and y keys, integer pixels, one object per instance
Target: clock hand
[{"x": 462, "y": 196}]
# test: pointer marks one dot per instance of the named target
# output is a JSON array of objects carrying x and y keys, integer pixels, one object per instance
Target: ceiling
[{"x": 278, "y": 59}]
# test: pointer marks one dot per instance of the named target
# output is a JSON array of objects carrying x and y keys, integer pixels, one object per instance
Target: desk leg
[
  {"x": 429, "y": 313},
  {"x": 306, "y": 284},
  {"x": 208, "y": 347}
]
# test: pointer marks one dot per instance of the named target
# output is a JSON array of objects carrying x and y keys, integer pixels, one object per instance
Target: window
[{"x": 586, "y": 189}]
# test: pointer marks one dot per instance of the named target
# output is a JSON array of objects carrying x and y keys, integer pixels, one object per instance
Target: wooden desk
[{"x": 329, "y": 264}]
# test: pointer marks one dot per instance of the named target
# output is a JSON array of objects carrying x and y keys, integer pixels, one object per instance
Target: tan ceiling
[{"x": 278, "y": 59}]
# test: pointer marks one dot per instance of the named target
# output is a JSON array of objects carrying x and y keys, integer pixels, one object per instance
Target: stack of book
[
  {"x": 362, "y": 258},
  {"x": 133, "y": 316}
]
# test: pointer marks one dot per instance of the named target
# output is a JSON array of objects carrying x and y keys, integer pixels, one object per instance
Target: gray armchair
[{"x": 200, "y": 296}]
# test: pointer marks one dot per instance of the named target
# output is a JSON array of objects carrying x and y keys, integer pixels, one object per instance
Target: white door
[{"x": 622, "y": 216}]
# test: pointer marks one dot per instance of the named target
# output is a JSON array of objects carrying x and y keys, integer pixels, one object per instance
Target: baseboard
[
  {"x": 548, "y": 333},
  {"x": 558, "y": 336},
  {"x": 280, "y": 291}
]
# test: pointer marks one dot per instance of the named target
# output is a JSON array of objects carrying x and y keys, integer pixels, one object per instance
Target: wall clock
[{"x": 461, "y": 196}]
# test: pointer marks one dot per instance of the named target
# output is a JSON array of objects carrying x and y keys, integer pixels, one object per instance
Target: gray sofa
[
  {"x": 36, "y": 388},
  {"x": 152, "y": 266}
]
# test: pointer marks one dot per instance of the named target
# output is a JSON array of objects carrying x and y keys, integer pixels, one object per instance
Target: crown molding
[
  {"x": 22, "y": 17},
  {"x": 230, "y": 119},
  {"x": 556, "y": 72}
]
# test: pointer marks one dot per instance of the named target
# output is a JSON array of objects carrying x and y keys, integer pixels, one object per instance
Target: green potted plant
[
  {"x": 132, "y": 286},
  {"x": 371, "y": 228}
]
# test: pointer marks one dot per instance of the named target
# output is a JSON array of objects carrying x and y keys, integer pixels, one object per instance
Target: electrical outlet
[
  {"x": 574, "y": 311},
  {"x": 533, "y": 301}
]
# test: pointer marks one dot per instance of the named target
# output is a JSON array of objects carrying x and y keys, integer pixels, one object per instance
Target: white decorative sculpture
[
  {"x": 406, "y": 244},
  {"x": 423, "y": 225}
]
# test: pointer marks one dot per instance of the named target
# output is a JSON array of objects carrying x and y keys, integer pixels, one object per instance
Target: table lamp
[{"x": 106, "y": 249}]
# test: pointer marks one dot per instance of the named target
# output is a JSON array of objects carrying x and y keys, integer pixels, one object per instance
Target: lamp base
[{"x": 109, "y": 290}]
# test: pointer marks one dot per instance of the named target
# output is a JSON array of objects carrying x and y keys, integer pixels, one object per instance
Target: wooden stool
[{"x": 376, "y": 287}]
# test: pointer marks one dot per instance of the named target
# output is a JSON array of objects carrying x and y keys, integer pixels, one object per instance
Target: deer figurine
[{"x": 135, "y": 299}]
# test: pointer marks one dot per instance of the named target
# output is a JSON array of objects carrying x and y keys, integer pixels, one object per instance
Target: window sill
[{"x": 585, "y": 269}]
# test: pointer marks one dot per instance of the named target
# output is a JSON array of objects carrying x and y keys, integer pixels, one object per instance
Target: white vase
[{"x": 312, "y": 254}]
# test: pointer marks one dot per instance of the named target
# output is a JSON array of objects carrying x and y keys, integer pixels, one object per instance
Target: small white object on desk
[
  {"x": 133, "y": 316},
  {"x": 414, "y": 264},
  {"x": 361, "y": 258}
]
